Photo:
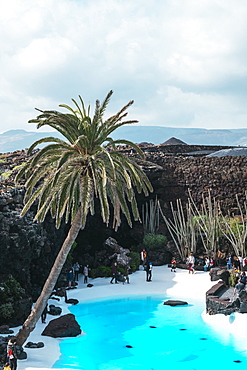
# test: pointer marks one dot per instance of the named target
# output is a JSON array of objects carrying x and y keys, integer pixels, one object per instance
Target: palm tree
[{"x": 67, "y": 175}]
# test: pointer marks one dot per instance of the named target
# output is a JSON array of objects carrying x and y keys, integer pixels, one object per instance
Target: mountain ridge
[{"x": 20, "y": 139}]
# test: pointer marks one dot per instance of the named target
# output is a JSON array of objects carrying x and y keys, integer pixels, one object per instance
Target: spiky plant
[{"x": 67, "y": 175}]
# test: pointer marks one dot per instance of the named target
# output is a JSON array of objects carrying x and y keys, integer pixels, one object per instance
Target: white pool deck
[{"x": 179, "y": 285}]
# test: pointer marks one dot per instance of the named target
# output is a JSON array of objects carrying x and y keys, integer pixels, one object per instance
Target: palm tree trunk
[{"x": 49, "y": 285}]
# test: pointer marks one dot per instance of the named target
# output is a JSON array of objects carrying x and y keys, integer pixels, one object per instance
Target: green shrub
[
  {"x": 135, "y": 260},
  {"x": 6, "y": 310},
  {"x": 154, "y": 241},
  {"x": 12, "y": 289},
  {"x": 101, "y": 271},
  {"x": 135, "y": 248}
]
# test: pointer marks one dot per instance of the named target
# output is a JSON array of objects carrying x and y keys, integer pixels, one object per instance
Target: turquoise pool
[{"x": 140, "y": 333}]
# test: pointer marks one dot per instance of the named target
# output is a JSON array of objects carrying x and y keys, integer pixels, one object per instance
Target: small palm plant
[{"x": 67, "y": 175}]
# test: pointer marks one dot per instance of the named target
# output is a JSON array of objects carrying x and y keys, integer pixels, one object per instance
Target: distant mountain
[
  {"x": 20, "y": 139},
  {"x": 191, "y": 136}
]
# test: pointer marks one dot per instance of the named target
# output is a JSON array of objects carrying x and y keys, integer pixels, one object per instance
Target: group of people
[
  {"x": 73, "y": 274},
  {"x": 236, "y": 262},
  {"x": 117, "y": 276},
  {"x": 209, "y": 263}
]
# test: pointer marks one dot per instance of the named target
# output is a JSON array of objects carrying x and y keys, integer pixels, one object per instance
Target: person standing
[
  {"x": 173, "y": 264},
  {"x": 85, "y": 273},
  {"x": 240, "y": 258},
  {"x": 70, "y": 277},
  {"x": 191, "y": 263},
  {"x": 44, "y": 313},
  {"x": 143, "y": 257},
  {"x": 114, "y": 273},
  {"x": 126, "y": 274},
  {"x": 12, "y": 353},
  {"x": 149, "y": 268},
  {"x": 229, "y": 262},
  {"x": 76, "y": 269}
]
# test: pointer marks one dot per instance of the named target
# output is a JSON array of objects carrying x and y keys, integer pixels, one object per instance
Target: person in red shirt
[{"x": 174, "y": 264}]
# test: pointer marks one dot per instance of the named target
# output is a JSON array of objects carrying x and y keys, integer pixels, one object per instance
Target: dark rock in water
[
  {"x": 153, "y": 327},
  {"x": 129, "y": 346},
  {"x": 203, "y": 338},
  {"x": 89, "y": 285},
  {"x": 175, "y": 303},
  {"x": 55, "y": 311},
  {"x": 237, "y": 361},
  {"x": 182, "y": 329},
  {"x": 64, "y": 326}
]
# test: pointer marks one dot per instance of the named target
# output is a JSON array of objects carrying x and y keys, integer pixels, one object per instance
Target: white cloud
[{"x": 183, "y": 62}]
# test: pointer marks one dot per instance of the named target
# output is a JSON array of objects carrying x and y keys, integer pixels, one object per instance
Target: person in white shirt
[{"x": 191, "y": 263}]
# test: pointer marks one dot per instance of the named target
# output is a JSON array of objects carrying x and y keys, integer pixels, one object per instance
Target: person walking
[
  {"x": 85, "y": 273},
  {"x": 191, "y": 263},
  {"x": 149, "y": 268},
  {"x": 12, "y": 353},
  {"x": 114, "y": 273}
]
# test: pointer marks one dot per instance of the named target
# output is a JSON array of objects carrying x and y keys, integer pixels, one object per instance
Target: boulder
[
  {"x": 72, "y": 301},
  {"x": 175, "y": 303},
  {"x": 243, "y": 296},
  {"x": 4, "y": 329},
  {"x": 243, "y": 307},
  {"x": 55, "y": 311},
  {"x": 224, "y": 276},
  {"x": 64, "y": 326},
  {"x": 217, "y": 273},
  {"x": 34, "y": 345}
]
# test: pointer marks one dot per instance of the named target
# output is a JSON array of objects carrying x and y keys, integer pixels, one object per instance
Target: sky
[{"x": 183, "y": 62}]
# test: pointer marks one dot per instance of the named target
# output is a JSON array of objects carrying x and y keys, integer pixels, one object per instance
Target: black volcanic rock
[{"x": 64, "y": 326}]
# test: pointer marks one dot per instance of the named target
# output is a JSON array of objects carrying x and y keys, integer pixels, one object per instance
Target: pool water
[{"x": 141, "y": 333}]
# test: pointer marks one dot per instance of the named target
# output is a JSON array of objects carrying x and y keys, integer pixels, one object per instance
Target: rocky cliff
[{"x": 28, "y": 249}]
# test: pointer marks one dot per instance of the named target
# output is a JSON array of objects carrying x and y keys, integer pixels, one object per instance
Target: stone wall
[{"x": 224, "y": 177}]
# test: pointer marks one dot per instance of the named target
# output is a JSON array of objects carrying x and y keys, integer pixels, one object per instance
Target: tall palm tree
[{"x": 67, "y": 175}]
